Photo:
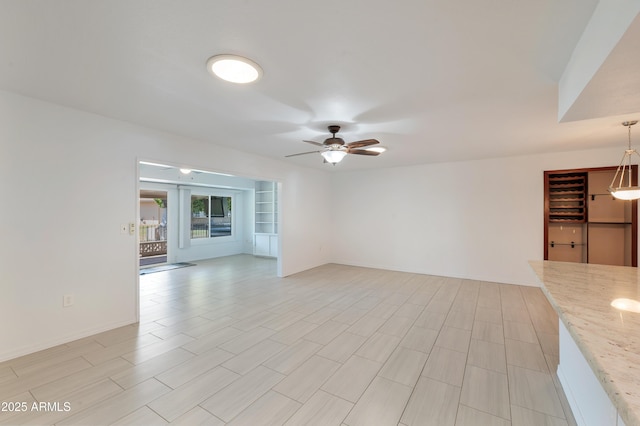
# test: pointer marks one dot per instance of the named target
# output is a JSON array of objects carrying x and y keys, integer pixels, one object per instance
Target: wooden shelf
[
  {"x": 567, "y": 194},
  {"x": 552, "y": 192},
  {"x": 555, "y": 200},
  {"x": 609, "y": 222},
  {"x": 567, "y": 177},
  {"x": 553, "y": 186}
]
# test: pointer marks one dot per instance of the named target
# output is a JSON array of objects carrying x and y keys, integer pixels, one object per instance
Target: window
[{"x": 210, "y": 216}]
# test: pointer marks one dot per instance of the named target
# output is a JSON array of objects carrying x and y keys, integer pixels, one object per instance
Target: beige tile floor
[{"x": 227, "y": 342}]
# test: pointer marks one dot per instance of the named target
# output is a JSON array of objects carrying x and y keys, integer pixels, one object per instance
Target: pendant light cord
[{"x": 629, "y": 124}]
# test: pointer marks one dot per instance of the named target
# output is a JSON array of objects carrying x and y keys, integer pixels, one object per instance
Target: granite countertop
[{"x": 609, "y": 338}]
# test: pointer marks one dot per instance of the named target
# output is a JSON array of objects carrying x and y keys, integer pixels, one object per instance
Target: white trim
[
  {"x": 27, "y": 350},
  {"x": 136, "y": 239}
]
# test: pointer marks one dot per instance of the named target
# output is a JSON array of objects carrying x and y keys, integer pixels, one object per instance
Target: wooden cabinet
[{"x": 584, "y": 223}]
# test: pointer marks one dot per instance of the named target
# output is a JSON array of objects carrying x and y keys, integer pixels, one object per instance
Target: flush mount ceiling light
[
  {"x": 234, "y": 69},
  {"x": 185, "y": 171},
  {"x": 621, "y": 186}
]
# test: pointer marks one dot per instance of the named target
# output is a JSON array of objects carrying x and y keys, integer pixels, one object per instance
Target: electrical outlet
[
  {"x": 67, "y": 300},
  {"x": 132, "y": 228}
]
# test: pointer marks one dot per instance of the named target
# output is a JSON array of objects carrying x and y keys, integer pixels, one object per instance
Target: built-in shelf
[
  {"x": 567, "y": 193},
  {"x": 609, "y": 222},
  {"x": 584, "y": 223},
  {"x": 265, "y": 242},
  {"x": 266, "y": 210}
]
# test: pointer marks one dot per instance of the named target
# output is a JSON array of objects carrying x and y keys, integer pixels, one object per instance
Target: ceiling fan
[{"x": 334, "y": 149}]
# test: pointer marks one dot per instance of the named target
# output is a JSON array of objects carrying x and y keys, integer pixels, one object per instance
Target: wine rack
[{"x": 567, "y": 197}]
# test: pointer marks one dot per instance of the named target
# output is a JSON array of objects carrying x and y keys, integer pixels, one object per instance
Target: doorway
[
  {"x": 153, "y": 227},
  {"x": 584, "y": 223},
  {"x": 210, "y": 214}
]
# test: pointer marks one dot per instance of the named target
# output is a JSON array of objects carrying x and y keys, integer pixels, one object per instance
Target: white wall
[
  {"x": 610, "y": 20},
  {"x": 477, "y": 219},
  {"x": 53, "y": 163},
  {"x": 304, "y": 239}
]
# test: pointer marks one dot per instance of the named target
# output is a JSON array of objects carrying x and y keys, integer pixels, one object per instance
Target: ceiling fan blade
[
  {"x": 302, "y": 153},
  {"x": 361, "y": 152},
  {"x": 360, "y": 144},
  {"x": 314, "y": 143}
]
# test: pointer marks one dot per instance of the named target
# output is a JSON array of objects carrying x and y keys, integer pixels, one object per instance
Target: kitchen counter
[{"x": 607, "y": 337}]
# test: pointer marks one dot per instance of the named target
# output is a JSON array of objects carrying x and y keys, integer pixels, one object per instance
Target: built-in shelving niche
[
  {"x": 567, "y": 197},
  {"x": 265, "y": 239},
  {"x": 584, "y": 223}
]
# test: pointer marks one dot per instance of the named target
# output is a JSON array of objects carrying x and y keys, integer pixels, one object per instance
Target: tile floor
[{"x": 227, "y": 342}]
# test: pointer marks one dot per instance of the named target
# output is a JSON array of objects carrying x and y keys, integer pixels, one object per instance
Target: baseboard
[
  {"x": 40, "y": 346},
  {"x": 395, "y": 268}
]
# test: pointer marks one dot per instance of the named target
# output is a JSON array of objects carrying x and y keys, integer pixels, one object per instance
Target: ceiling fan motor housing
[{"x": 334, "y": 141}]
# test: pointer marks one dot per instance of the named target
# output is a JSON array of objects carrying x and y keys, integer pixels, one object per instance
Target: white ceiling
[{"x": 433, "y": 80}]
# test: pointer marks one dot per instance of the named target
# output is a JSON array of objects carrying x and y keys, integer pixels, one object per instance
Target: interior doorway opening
[
  {"x": 584, "y": 223},
  {"x": 208, "y": 214},
  {"x": 153, "y": 227}
]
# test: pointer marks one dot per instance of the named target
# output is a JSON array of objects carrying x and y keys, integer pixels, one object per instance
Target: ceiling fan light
[
  {"x": 333, "y": 157},
  {"x": 234, "y": 69}
]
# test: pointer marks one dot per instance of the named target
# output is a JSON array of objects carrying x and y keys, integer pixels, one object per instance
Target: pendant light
[{"x": 622, "y": 187}]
